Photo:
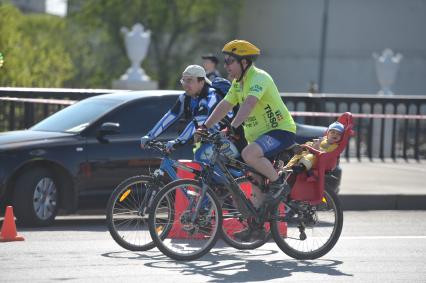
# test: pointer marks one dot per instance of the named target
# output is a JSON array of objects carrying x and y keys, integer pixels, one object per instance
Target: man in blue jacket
[{"x": 197, "y": 103}]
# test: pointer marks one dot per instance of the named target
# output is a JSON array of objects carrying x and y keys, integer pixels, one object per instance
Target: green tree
[
  {"x": 33, "y": 49},
  {"x": 180, "y": 31}
]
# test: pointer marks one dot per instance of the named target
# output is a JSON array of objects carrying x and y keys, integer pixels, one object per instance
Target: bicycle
[
  {"x": 204, "y": 226},
  {"x": 129, "y": 205}
]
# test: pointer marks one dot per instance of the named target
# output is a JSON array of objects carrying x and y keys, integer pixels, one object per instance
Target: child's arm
[
  {"x": 312, "y": 149},
  {"x": 316, "y": 143}
]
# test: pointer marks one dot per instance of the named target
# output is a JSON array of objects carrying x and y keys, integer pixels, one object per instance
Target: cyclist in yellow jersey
[{"x": 268, "y": 125}]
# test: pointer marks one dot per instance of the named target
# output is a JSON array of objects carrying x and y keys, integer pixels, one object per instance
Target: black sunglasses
[{"x": 229, "y": 60}]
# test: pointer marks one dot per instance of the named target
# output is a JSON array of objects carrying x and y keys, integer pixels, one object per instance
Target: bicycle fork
[
  {"x": 151, "y": 192},
  {"x": 192, "y": 218}
]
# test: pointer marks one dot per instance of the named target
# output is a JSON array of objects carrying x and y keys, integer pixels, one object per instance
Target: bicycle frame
[
  {"x": 207, "y": 172},
  {"x": 168, "y": 165},
  {"x": 245, "y": 206}
]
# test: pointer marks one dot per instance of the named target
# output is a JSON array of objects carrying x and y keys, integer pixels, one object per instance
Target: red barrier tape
[
  {"x": 357, "y": 115},
  {"x": 293, "y": 113}
]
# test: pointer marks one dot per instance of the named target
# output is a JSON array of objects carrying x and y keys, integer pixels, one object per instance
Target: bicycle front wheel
[
  {"x": 196, "y": 221},
  {"x": 304, "y": 231},
  {"x": 127, "y": 213}
]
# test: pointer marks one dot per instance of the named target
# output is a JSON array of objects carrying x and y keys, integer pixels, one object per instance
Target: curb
[{"x": 383, "y": 202}]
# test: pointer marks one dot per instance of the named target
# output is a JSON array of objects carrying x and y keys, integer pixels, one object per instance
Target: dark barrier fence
[{"x": 395, "y": 126}]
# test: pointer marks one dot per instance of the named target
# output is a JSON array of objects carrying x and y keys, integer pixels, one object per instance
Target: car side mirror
[{"x": 107, "y": 128}]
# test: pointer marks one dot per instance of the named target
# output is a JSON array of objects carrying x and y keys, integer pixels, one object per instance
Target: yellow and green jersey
[{"x": 270, "y": 112}]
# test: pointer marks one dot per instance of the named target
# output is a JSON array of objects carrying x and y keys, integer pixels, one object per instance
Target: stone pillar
[{"x": 137, "y": 42}]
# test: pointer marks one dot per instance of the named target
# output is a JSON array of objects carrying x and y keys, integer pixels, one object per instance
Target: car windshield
[{"x": 77, "y": 117}]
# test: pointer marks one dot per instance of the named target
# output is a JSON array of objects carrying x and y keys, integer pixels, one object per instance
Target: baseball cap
[
  {"x": 196, "y": 71},
  {"x": 337, "y": 126}
]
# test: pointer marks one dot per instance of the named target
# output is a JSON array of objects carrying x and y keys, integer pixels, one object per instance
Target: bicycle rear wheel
[
  {"x": 233, "y": 221},
  {"x": 310, "y": 231},
  {"x": 195, "y": 231},
  {"x": 127, "y": 214}
]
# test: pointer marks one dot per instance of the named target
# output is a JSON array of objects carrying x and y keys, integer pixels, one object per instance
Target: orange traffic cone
[{"x": 8, "y": 230}]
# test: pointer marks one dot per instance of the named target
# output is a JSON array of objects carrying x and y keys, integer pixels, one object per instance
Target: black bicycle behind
[{"x": 129, "y": 205}]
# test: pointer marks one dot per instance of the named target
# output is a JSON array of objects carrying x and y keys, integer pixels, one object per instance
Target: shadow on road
[{"x": 224, "y": 265}]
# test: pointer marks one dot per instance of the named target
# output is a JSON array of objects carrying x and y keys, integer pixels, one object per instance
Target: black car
[{"x": 85, "y": 150}]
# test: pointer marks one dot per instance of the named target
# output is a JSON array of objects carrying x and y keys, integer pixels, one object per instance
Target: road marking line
[{"x": 381, "y": 237}]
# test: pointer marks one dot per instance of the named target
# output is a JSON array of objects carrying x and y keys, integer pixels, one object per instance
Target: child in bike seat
[{"x": 305, "y": 160}]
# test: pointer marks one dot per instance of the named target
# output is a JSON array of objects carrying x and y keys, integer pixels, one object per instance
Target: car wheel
[{"x": 36, "y": 197}]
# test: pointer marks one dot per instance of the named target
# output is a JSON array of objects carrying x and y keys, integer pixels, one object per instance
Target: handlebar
[
  {"x": 215, "y": 138},
  {"x": 160, "y": 146}
]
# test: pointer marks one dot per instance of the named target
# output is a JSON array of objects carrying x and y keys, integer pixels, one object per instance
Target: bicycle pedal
[{"x": 207, "y": 230}]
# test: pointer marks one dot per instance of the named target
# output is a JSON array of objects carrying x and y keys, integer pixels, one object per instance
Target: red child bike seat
[{"x": 311, "y": 187}]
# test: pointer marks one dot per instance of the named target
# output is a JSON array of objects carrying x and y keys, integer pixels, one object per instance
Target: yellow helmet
[{"x": 241, "y": 49}]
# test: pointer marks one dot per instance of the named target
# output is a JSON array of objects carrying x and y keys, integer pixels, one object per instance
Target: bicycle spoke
[
  {"x": 127, "y": 226},
  {"x": 312, "y": 232},
  {"x": 188, "y": 238}
]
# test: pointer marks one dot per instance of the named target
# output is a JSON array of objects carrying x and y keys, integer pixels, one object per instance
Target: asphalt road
[{"x": 375, "y": 246}]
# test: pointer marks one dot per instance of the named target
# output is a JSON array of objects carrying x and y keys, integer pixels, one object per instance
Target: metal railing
[{"x": 386, "y": 126}]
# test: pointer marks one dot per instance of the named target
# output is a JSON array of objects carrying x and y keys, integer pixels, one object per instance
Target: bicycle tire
[
  {"x": 233, "y": 222},
  {"x": 126, "y": 226},
  {"x": 190, "y": 241},
  {"x": 300, "y": 247}
]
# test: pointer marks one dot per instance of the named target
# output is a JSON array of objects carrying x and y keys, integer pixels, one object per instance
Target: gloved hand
[
  {"x": 171, "y": 144},
  {"x": 200, "y": 132},
  {"x": 144, "y": 141}
]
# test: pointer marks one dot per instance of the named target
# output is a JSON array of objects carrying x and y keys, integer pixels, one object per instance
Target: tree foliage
[
  {"x": 86, "y": 49},
  {"x": 180, "y": 31},
  {"x": 33, "y": 49}
]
